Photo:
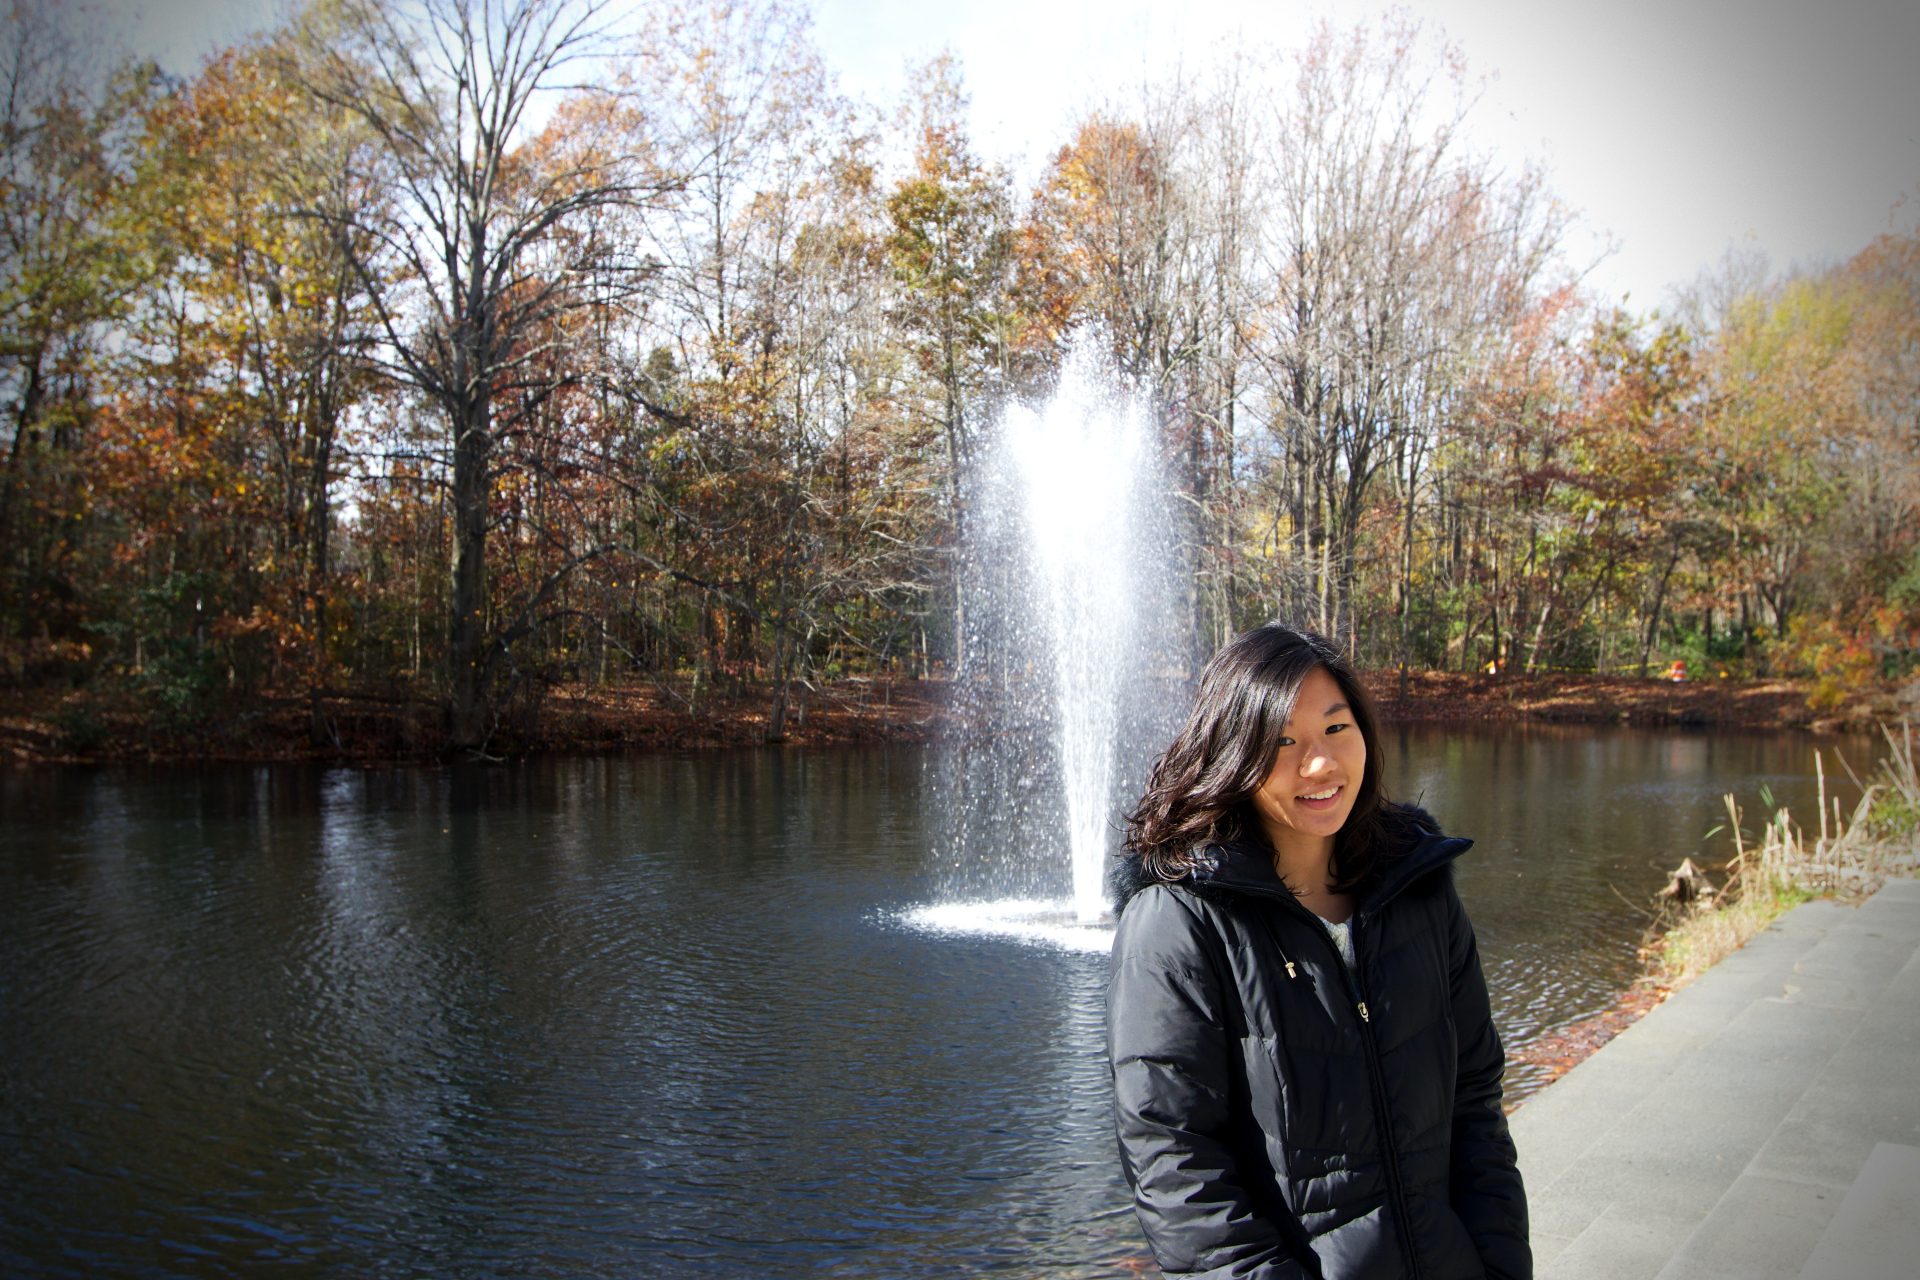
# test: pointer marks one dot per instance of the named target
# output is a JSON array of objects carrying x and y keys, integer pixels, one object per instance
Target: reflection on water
[{"x": 654, "y": 1016}]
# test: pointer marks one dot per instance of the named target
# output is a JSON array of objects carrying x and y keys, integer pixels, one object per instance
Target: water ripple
[{"x": 660, "y": 1016}]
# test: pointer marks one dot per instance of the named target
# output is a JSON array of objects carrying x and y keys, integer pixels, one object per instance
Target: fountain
[{"x": 1066, "y": 679}]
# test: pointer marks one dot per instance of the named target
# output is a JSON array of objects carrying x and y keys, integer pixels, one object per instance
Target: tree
[
  {"x": 1643, "y": 463},
  {"x": 237, "y": 161},
  {"x": 1392, "y": 251},
  {"x": 772, "y": 305},
  {"x": 1814, "y": 381},
  {"x": 481, "y": 255},
  {"x": 1783, "y": 419},
  {"x": 950, "y": 251},
  {"x": 1504, "y": 467},
  {"x": 67, "y": 267},
  {"x": 1883, "y": 370}
]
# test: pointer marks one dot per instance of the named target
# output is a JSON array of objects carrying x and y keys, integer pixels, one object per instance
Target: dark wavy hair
[{"x": 1200, "y": 790}]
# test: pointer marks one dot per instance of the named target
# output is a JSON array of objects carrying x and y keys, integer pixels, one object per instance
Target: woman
[{"x": 1306, "y": 1075}]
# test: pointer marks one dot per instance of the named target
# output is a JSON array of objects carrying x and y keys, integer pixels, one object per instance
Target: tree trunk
[
  {"x": 1539, "y": 635},
  {"x": 782, "y": 663},
  {"x": 1653, "y": 618},
  {"x": 1493, "y": 611},
  {"x": 1405, "y": 603},
  {"x": 467, "y": 654},
  {"x": 23, "y": 430},
  {"x": 319, "y": 526}
]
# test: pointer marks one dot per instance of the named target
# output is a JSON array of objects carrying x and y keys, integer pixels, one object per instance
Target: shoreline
[
  {"x": 403, "y": 725},
  {"x": 1579, "y": 698},
  {"x": 1552, "y": 1055},
  {"x": 1696, "y": 928}
]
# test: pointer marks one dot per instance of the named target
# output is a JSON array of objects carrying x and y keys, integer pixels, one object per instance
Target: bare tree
[
  {"x": 1393, "y": 253},
  {"x": 772, "y": 298},
  {"x": 482, "y": 253}
]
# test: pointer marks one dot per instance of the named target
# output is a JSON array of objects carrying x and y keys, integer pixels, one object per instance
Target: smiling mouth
[{"x": 1320, "y": 797}]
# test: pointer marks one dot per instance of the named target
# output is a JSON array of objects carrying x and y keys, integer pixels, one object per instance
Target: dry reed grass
[{"x": 1849, "y": 857}]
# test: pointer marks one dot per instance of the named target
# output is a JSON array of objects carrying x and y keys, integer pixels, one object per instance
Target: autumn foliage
[{"x": 357, "y": 365}]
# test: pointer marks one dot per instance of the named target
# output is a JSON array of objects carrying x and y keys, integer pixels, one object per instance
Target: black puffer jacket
[{"x": 1279, "y": 1117}]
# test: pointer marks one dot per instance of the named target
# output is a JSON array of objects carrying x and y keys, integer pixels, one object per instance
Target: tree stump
[{"x": 1687, "y": 884}]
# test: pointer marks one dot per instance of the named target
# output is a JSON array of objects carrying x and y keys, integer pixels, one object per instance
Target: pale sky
[{"x": 1676, "y": 129}]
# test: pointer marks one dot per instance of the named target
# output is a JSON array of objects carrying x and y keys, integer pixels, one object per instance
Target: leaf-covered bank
[
  {"x": 401, "y": 724},
  {"x": 407, "y": 726}
]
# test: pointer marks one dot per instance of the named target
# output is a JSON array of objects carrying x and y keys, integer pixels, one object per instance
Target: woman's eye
[
  {"x": 1286, "y": 742},
  {"x": 1335, "y": 728}
]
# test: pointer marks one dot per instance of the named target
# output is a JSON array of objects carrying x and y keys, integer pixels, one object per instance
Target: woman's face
[{"x": 1316, "y": 772}]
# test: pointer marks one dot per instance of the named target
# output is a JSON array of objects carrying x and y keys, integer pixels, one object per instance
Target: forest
[{"x": 468, "y": 350}]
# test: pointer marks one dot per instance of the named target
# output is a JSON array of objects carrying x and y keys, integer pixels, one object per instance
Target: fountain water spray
[
  {"x": 1067, "y": 677},
  {"x": 1079, "y": 464}
]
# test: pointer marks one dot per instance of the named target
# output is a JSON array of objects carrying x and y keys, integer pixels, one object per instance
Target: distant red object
[{"x": 1677, "y": 670}]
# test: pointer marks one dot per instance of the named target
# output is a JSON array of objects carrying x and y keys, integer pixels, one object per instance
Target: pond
[{"x": 656, "y": 1015}]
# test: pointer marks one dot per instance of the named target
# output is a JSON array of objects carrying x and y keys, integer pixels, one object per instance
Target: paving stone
[
  {"x": 1686, "y": 1175},
  {"x": 1897, "y": 899},
  {"x": 1621, "y": 1244},
  {"x": 1547, "y": 1247},
  {"x": 1560, "y": 1217},
  {"x": 1859, "y": 957},
  {"x": 1816, "y": 1152},
  {"x": 1902, "y": 996},
  {"x": 1875, "y": 1231},
  {"x": 1762, "y": 1229},
  {"x": 1785, "y": 1035},
  {"x": 1587, "y": 1146},
  {"x": 1840, "y": 993},
  {"x": 1865, "y": 1094}
]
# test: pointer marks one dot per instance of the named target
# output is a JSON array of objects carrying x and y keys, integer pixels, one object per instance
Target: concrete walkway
[{"x": 1764, "y": 1122}]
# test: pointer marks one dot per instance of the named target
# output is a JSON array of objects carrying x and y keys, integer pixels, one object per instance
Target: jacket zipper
[
  {"x": 1376, "y": 1081},
  {"x": 1356, "y": 985}
]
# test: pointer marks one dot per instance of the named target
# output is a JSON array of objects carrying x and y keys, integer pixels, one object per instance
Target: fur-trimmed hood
[{"x": 1421, "y": 846}]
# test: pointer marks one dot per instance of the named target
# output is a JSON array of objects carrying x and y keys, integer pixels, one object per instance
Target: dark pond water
[{"x": 648, "y": 1016}]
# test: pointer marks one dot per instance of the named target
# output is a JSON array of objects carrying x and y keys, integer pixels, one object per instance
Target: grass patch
[{"x": 1843, "y": 855}]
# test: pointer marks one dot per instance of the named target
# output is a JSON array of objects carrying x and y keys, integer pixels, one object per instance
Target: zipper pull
[
  {"x": 1363, "y": 1012},
  {"x": 1290, "y": 972}
]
